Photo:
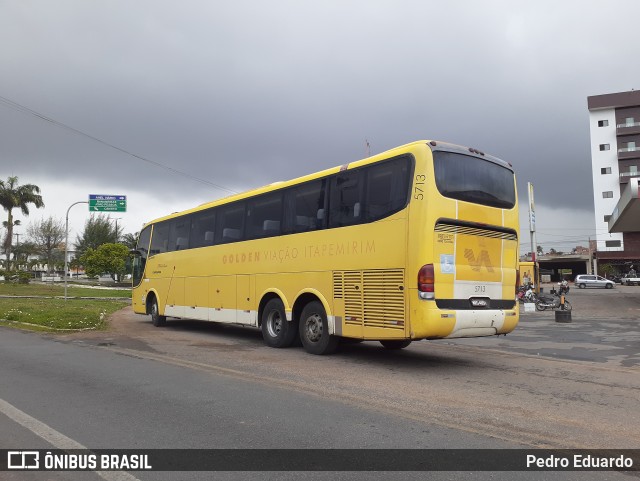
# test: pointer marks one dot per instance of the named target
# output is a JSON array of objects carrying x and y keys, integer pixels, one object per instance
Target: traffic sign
[{"x": 107, "y": 203}]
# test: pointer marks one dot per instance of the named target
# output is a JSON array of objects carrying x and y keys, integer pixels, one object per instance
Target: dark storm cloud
[{"x": 246, "y": 93}]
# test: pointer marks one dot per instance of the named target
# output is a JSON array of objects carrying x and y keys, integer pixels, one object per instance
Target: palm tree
[
  {"x": 22, "y": 252},
  {"x": 130, "y": 240},
  {"x": 14, "y": 196},
  {"x": 6, "y": 244}
]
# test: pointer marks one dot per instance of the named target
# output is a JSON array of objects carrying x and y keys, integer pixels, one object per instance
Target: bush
[
  {"x": 24, "y": 277},
  {"x": 20, "y": 277}
]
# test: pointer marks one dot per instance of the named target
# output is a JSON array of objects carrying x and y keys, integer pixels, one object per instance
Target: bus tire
[
  {"x": 156, "y": 319},
  {"x": 314, "y": 330},
  {"x": 276, "y": 330},
  {"x": 395, "y": 343}
]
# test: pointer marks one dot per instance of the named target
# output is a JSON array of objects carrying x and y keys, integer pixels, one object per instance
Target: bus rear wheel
[
  {"x": 395, "y": 343},
  {"x": 276, "y": 330},
  {"x": 156, "y": 319},
  {"x": 314, "y": 330}
]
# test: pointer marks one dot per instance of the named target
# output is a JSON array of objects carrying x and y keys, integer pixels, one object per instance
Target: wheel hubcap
[
  {"x": 313, "y": 328},
  {"x": 274, "y": 324}
]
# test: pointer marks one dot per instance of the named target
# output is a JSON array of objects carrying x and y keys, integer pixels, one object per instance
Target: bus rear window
[{"x": 475, "y": 180}]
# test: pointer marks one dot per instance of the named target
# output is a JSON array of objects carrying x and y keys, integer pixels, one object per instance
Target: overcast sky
[{"x": 241, "y": 93}]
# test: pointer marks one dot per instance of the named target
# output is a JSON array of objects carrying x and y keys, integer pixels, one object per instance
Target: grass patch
[
  {"x": 53, "y": 290},
  {"x": 57, "y": 314}
]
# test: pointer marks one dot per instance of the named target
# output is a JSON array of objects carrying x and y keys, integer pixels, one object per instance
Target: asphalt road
[
  {"x": 199, "y": 385},
  {"x": 604, "y": 329}
]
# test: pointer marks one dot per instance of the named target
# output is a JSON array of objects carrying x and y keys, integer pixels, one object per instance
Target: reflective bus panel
[{"x": 419, "y": 242}]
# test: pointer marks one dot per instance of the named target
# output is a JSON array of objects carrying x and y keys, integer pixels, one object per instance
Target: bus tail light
[{"x": 426, "y": 282}]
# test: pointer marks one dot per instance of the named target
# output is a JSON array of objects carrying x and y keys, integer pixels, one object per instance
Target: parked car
[
  {"x": 630, "y": 280},
  {"x": 589, "y": 280}
]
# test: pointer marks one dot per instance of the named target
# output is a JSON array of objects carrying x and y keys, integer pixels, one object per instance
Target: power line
[{"x": 25, "y": 110}]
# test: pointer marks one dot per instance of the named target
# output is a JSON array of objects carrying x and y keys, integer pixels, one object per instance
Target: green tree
[
  {"x": 106, "y": 259},
  {"x": 130, "y": 240},
  {"x": 14, "y": 196},
  {"x": 48, "y": 236},
  {"x": 7, "y": 244},
  {"x": 75, "y": 264},
  {"x": 22, "y": 252},
  {"x": 607, "y": 270},
  {"x": 98, "y": 230}
]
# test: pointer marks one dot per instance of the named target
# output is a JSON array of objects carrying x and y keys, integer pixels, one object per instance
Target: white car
[
  {"x": 589, "y": 280},
  {"x": 630, "y": 280}
]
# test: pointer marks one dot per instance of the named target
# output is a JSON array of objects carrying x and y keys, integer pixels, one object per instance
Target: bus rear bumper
[{"x": 477, "y": 323}]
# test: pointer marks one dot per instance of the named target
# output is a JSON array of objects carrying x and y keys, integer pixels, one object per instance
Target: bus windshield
[{"x": 475, "y": 180}]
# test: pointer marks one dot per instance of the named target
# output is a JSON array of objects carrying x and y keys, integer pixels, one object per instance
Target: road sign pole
[{"x": 66, "y": 245}]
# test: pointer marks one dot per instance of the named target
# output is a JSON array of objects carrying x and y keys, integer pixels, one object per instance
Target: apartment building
[{"x": 614, "y": 121}]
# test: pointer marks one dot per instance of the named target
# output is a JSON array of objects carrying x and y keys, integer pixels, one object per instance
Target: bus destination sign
[{"x": 107, "y": 203}]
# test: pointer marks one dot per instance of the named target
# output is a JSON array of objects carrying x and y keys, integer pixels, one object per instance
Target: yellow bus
[{"x": 419, "y": 242}]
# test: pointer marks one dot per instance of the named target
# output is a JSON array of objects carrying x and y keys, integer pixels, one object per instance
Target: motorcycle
[
  {"x": 526, "y": 294},
  {"x": 555, "y": 300}
]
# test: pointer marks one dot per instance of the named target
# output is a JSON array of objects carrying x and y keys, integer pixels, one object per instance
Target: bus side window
[
  {"x": 179, "y": 233},
  {"x": 387, "y": 188},
  {"x": 230, "y": 222},
  {"x": 264, "y": 216},
  {"x": 303, "y": 203},
  {"x": 160, "y": 238},
  {"x": 203, "y": 226},
  {"x": 345, "y": 198}
]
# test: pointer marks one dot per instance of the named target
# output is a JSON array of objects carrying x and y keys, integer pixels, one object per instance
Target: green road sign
[{"x": 107, "y": 203}]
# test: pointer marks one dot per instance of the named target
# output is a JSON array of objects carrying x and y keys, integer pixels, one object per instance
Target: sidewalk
[{"x": 619, "y": 303}]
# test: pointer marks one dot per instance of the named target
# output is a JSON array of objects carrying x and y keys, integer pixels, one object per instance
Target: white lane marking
[{"x": 55, "y": 438}]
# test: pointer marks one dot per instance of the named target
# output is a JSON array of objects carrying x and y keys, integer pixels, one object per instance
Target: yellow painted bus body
[{"x": 365, "y": 275}]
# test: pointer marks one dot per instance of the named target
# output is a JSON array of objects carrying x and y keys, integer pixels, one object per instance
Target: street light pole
[
  {"x": 66, "y": 245},
  {"x": 117, "y": 219}
]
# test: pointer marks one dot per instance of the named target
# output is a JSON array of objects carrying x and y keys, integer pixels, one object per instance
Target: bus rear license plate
[{"x": 479, "y": 302}]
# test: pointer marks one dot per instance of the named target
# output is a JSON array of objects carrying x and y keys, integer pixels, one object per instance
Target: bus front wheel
[
  {"x": 314, "y": 330},
  {"x": 395, "y": 343},
  {"x": 156, "y": 319},
  {"x": 276, "y": 330}
]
